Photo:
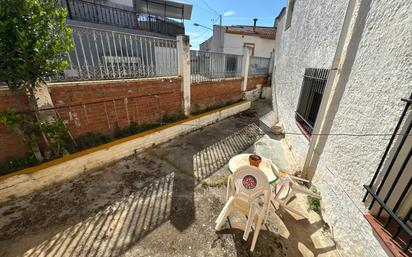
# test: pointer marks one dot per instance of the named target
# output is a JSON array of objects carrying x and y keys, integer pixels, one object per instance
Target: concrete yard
[{"x": 161, "y": 202}]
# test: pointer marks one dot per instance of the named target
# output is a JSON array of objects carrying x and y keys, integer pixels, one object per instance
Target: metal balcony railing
[
  {"x": 102, "y": 54},
  {"x": 125, "y": 18}
]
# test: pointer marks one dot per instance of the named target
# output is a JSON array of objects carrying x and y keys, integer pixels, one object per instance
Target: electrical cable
[{"x": 210, "y": 7}]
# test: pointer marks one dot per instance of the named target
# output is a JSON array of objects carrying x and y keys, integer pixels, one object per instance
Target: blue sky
[{"x": 239, "y": 12}]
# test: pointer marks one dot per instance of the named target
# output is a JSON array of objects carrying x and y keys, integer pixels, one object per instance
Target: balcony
[{"x": 121, "y": 17}]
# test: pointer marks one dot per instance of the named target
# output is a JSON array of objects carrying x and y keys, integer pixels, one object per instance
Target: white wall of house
[
  {"x": 307, "y": 43},
  {"x": 214, "y": 43},
  {"x": 379, "y": 75},
  {"x": 233, "y": 44}
]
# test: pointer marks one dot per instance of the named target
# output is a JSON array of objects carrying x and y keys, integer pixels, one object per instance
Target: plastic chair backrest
[{"x": 250, "y": 182}]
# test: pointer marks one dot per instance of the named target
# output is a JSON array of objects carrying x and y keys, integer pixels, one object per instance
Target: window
[
  {"x": 291, "y": 6},
  {"x": 311, "y": 94},
  {"x": 388, "y": 195},
  {"x": 231, "y": 63}
]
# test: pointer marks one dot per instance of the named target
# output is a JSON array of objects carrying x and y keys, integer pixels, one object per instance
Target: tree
[{"x": 34, "y": 41}]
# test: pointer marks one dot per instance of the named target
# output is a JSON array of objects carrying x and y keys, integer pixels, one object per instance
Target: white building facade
[
  {"x": 233, "y": 39},
  {"x": 365, "y": 49}
]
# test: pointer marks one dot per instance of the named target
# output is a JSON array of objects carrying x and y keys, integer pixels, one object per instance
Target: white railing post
[
  {"x": 271, "y": 62},
  {"x": 247, "y": 50},
  {"x": 183, "y": 58}
]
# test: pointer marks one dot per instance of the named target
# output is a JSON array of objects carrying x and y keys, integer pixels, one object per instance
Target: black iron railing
[
  {"x": 121, "y": 17},
  {"x": 314, "y": 82},
  {"x": 391, "y": 184}
]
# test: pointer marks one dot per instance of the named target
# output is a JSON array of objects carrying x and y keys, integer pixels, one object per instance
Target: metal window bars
[
  {"x": 391, "y": 184},
  {"x": 102, "y": 54},
  {"x": 259, "y": 65},
  {"x": 206, "y": 66},
  {"x": 121, "y": 16},
  {"x": 314, "y": 82}
]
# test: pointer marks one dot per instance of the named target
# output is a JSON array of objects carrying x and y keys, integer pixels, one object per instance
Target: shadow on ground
[{"x": 160, "y": 202}]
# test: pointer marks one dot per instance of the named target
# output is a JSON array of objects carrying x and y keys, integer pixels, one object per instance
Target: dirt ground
[{"x": 161, "y": 202}]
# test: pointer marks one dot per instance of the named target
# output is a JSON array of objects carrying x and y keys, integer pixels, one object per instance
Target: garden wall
[
  {"x": 213, "y": 93},
  {"x": 10, "y": 142},
  {"x": 254, "y": 81},
  {"x": 101, "y": 106},
  {"x": 98, "y": 107}
]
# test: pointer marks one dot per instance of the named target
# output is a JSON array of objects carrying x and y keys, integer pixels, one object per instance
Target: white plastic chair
[
  {"x": 287, "y": 186},
  {"x": 246, "y": 187}
]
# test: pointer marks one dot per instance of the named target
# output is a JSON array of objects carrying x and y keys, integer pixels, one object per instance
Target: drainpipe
[{"x": 345, "y": 54}]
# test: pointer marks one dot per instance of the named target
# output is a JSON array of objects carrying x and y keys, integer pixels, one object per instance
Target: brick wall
[
  {"x": 98, "y": 106},
  {"x": 253, "y": 81},
  {"x": 10, "y": 142},
  {"x": 211, "y": 93}
]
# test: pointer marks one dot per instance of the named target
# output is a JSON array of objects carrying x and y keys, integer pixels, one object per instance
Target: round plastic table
[{"x": 266, "y": 166}]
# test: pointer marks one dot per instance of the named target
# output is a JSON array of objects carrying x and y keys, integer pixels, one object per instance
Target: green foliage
[
  {"x": 314, "y": 204},
  {"x": 10, "y": 118},
  {"x": 132, "y": 129},
  {"x": 57, "y": 134},
  {"x": 34, "y": 40},
  {"x": 213, "y": 107},
  {"x": 11, "y": 165},
  {"x": 173, "y": 118},
  {"x": 89, "y": 140}
]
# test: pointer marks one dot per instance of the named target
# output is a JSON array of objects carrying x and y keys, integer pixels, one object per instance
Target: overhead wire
[{"x": 210, "y": 7}]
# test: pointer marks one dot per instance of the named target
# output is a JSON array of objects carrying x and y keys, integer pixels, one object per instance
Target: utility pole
[{"x": 221, "y": 32}]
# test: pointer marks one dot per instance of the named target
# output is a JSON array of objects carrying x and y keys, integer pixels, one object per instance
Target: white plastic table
[{"x": 240, "y": 160}]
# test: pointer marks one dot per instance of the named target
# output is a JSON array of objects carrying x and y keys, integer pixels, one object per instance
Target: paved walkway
[{"x": 162, "y": 202}]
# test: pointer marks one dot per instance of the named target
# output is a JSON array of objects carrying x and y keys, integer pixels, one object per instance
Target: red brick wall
[
  {"x": 210, "y": 93},
  {"x": 252, "y": 82},
  {"x": 98, "y": 106},
  {"x": 84, "y": 107},
  {"x": 10, "y": 142}
]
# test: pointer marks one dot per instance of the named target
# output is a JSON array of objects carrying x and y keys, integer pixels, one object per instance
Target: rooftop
[{"x": 260, "y": 31}]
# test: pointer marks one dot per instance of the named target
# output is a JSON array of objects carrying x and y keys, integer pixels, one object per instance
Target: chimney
[{"x": 254, "y": 24}]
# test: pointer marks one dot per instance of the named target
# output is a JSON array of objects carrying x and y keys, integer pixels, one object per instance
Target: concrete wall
[
  {"x": 214, "y": 43},
  {"x": 233, "y": 44},
  {"x": 309, "y": 42},
  {"x": 376, "y": 75},
  {"x": 370, "y": 103}
]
